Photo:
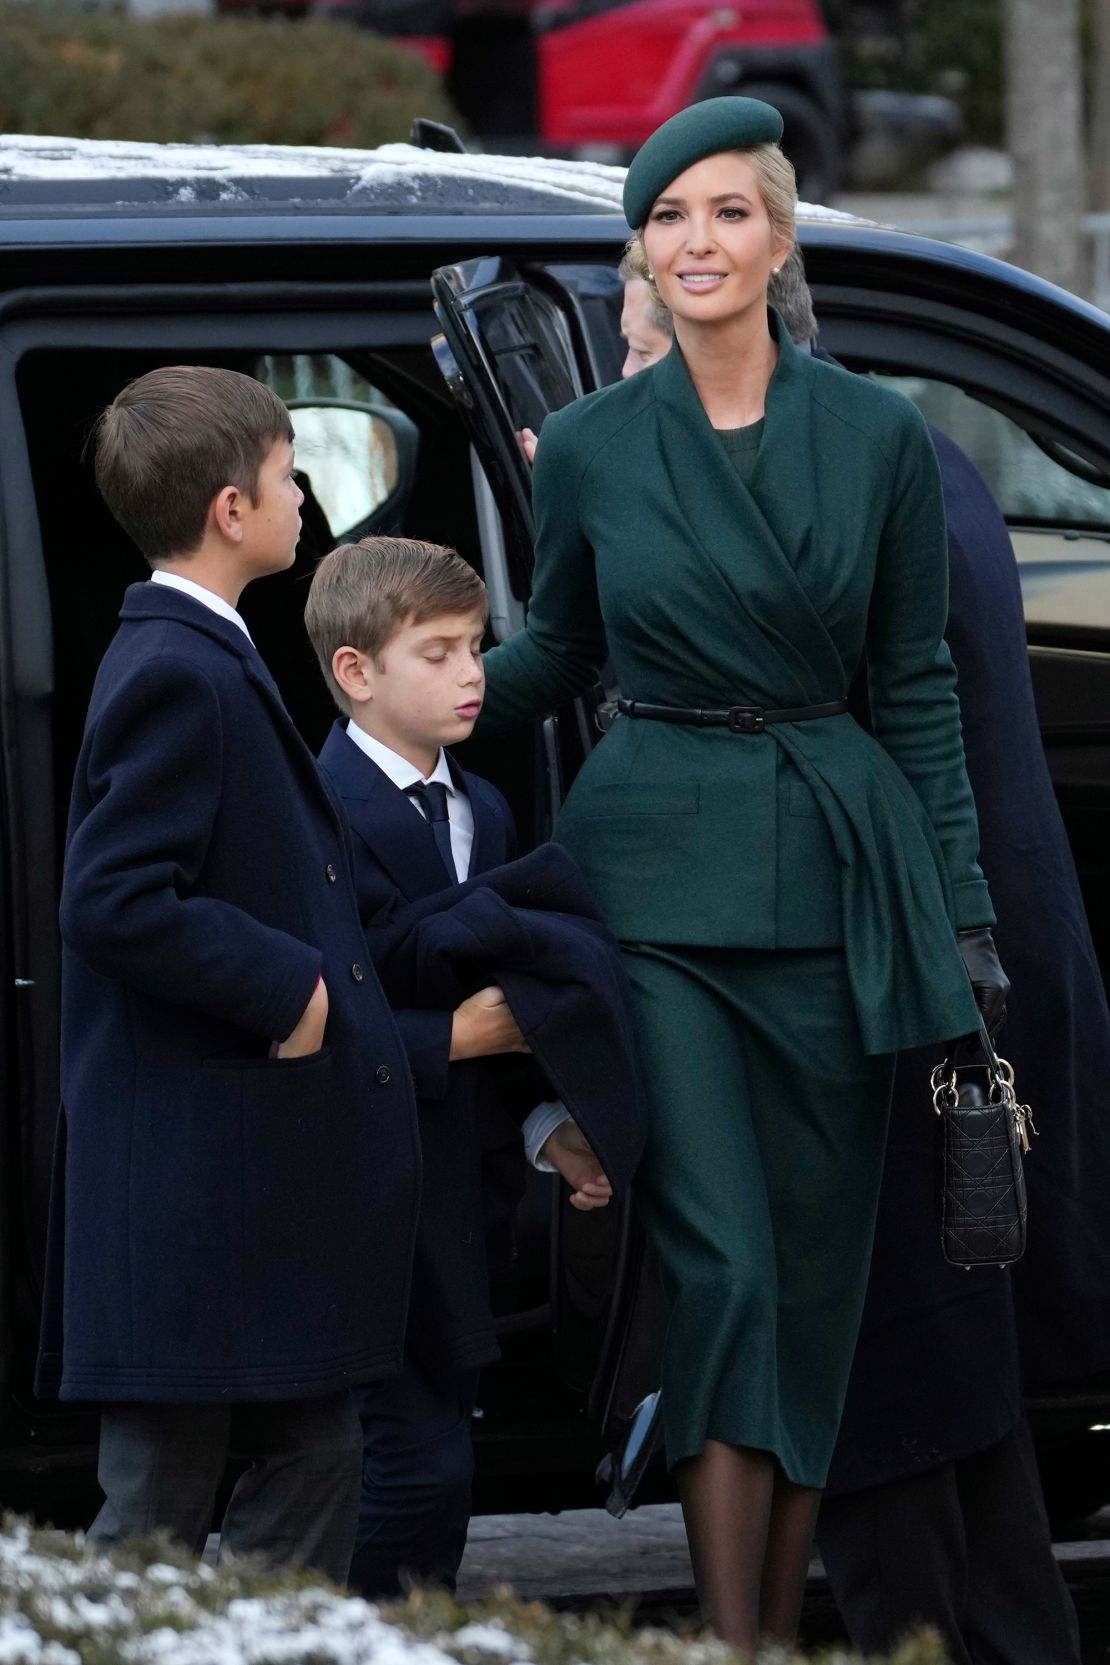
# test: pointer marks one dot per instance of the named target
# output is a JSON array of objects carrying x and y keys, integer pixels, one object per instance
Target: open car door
[{"x": 514, "y": 347}]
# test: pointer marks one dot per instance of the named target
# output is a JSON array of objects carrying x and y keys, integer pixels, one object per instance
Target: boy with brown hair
[
  {"x": 238, "y": 1130},
  {"x": 397, "y": 626}
]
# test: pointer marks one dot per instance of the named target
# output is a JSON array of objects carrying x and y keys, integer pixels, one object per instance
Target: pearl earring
[{"x": 775, "y": 270}]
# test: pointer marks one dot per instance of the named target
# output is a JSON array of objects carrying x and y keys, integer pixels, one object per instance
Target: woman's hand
[
  {"x": 483, "y": 1025},
  {"x": 989, "y": 983},
  {"x": 528, "y": 442},
  {"x": 568, "y": 1151}
]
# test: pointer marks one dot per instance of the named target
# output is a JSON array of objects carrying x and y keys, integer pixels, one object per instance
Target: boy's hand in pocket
[
  {"x": 308, "y": 1036},
  {"x": 568, "y": 1151}
]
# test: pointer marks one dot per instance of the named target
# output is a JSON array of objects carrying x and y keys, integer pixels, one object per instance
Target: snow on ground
[{"x": 61, "y": 1603}]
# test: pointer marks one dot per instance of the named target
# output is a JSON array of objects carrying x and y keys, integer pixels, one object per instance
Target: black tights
[{"x": 750, "y": 1530}]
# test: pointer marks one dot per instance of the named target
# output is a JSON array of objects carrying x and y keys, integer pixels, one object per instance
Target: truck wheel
[{"x": 809, "y": 138}]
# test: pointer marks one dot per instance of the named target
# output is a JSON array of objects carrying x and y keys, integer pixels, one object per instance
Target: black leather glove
[{"x": 989, "y": 983}]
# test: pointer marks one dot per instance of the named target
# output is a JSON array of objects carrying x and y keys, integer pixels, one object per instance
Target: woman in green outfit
[{"x": 736, "y": 527}]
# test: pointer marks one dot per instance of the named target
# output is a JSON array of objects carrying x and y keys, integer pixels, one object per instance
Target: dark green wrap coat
[{"x": 707, "y": 592}]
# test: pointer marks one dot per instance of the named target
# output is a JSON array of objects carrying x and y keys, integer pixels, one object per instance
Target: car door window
[
  {"x": 1056, "y": 507},
  {"x": 346, "y": 434},
  {"x": 527, "y": 347}
]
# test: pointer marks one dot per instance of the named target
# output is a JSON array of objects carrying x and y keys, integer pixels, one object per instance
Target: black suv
[{"x": 416, "y": 310}]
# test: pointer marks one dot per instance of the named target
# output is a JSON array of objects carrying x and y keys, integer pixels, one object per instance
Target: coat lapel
[
  {"x": 755, "y": 537},
  {"x": 487, "y": 850},
  {"x": 391, "y": 827}
]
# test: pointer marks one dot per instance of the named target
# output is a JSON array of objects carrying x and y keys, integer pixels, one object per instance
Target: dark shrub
[{"x": 102, "y": 75}]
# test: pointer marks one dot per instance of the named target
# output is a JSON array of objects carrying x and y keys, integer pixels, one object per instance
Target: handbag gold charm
[{"x": 1002, "y": 1084}]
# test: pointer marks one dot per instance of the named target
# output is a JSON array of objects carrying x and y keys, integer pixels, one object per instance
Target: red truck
[{"x": 595, "y": 77}]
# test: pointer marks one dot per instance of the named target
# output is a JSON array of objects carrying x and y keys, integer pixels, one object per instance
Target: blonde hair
[
  {"x": 659, "y": 316},
  {"x": 778, "y": 188}
]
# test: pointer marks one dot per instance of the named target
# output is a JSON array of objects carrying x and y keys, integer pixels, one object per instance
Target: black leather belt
[{"x": 739, "y": 719}]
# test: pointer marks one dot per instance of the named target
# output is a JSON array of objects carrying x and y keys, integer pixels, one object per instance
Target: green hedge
[
  {"x": 102, "y": 75},
  {"x": 61, "y": 1603}
]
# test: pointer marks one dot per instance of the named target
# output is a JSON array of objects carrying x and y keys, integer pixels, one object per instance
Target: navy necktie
[{"x": 432, "y": 798}]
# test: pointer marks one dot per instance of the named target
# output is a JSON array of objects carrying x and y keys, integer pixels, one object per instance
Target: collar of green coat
[
  {"x": 675, "y": 389},
  {"x": 755, "y": 535}
]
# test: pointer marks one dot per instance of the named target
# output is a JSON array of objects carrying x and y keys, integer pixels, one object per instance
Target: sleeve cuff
[
  {"x": 426, "y": 1037},
  {"x": 972, "y": 901},
  {"x": 278, "y": 1017},
  {"x": 538, "y": 1127}
]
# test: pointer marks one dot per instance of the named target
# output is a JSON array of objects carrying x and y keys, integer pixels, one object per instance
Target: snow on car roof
[{"x": 41, "y": 171}]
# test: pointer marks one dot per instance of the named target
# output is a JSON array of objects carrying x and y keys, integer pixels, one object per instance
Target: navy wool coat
[
  {"x": 943, "y": 1353},
  {"x": 470, "y": 1112},
  {"x": 225, "y": 1227}
]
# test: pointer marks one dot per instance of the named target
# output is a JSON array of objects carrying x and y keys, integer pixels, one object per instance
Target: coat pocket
[
  {"x": 272, "y": 1067},
  {"x": 300, "y": 1141},
  {"x": 802, "y": 800}
]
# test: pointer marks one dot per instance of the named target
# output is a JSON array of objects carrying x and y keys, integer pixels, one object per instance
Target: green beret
[{"x": 701, "y": 130}]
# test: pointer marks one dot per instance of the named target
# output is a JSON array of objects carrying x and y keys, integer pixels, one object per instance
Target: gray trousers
[{"x": 296, "y": 1504}]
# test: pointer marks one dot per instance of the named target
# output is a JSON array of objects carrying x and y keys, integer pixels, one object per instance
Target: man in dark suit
[
  {"x": 239, "y": 1129},
  {"x": 397, "y": 627}
]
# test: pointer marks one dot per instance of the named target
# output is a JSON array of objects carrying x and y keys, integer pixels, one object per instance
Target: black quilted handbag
[{"x": 984, "y": 1136}]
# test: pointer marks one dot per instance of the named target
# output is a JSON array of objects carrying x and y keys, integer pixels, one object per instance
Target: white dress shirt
[
  {"x": 404, "y": 774},
  {"x": 545, "y": 1118},
  {"x": 207, "y": 598}
]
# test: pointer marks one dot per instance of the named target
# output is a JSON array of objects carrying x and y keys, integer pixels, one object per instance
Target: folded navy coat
[{"x": 532, "y": 927}]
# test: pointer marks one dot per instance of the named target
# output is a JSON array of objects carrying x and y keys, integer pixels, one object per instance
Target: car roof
[
  {"x": 85, "y": 175},
  {"x": 321, "y": 206}
]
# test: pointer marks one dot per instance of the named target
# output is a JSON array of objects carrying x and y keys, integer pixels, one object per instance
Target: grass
[{"x": 64, "y": 1603}]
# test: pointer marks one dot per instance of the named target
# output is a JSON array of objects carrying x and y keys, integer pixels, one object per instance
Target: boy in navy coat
[
  {"x": 238, "y": 1164},
  {"x": 397, "y": 627}
]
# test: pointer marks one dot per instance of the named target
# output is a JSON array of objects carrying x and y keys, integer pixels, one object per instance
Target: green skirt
[{"x": 759, "y": 1187}]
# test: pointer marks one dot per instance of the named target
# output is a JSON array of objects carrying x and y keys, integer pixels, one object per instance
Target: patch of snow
[
  {"x": 30, "y": 157},
  {"x": 366, "y": 174},
  {"x": 21, "y": 1644},
  {"x": 813, "y": 213},
  {"x": 152, "y": 1618},
  {"x": 491, "y": 1638}
]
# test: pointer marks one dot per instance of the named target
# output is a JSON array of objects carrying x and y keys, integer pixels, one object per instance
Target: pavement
[
  {"x": 586, "y": 1554},
  {"x": 582, "y": 1553},
  {"x": 584, "y": 1558}
]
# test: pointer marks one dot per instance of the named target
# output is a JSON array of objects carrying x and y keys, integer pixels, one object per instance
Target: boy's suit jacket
[
  {"x": 232, "y": 1227},
  {"x": 531, "y": 926},
  {"x": 473, "y": 1155}
]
